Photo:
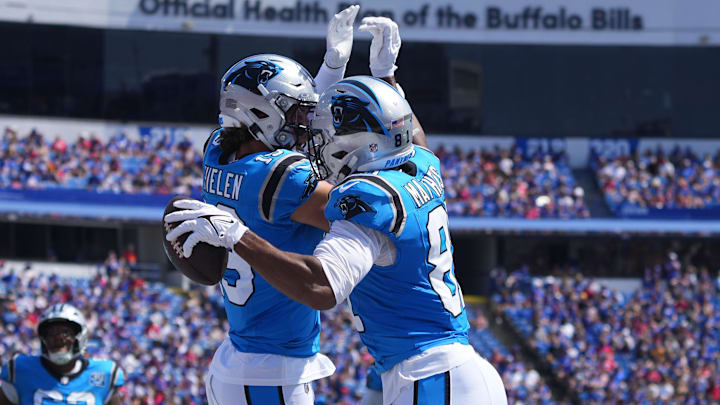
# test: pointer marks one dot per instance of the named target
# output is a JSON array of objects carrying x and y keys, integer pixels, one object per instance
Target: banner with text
[{"x": 637, "y": 22}]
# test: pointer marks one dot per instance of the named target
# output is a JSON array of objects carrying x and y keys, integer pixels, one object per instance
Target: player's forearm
[
  {"x": 300, "y": 277},
  {"x": 312, "y": 211},
  {"x": 390, "y": 80},
  {"x": 327, "y": 76},
  {"x": 419, "y": 137}
]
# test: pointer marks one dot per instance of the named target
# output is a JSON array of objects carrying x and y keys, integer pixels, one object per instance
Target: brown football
[{"x": 207, "y": 263}]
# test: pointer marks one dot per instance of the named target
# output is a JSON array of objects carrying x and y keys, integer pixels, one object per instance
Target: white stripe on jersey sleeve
[{"x": 348, "y": 252}]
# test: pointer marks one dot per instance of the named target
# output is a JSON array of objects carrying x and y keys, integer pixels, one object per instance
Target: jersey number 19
[{"x": 237, "y": 282}]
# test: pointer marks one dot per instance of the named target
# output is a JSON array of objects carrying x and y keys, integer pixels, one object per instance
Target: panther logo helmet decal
[
  {"x": 253, "y": 73},
  {"x": 351, "y": 115}
]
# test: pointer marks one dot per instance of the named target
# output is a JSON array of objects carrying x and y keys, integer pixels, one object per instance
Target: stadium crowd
[
  {"x": 657, "y": 345},
  {"x": 655, "y": 179},
  {"x": 498, "y": 182},
  {"x": 165, "y": 340},
  {"x": 161, "y": 165},
  {"x": 505, "y": 183}
]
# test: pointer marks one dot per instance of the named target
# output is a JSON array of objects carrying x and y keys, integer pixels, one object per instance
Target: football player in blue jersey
[
  {"x": 272, "y": 352},
  {"x": 388, "y": 249},
  {"x": 60, "y": 375}
]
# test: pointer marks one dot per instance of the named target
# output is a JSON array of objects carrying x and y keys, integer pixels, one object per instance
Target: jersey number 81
[{"x": 442, "y": 278}]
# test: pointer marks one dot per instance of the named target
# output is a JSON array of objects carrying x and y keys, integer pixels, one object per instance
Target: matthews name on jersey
[
  {"x": 34, "y": 384},
  {"x": 263, "y": 190},
  {"x": 419, "y": 292}
]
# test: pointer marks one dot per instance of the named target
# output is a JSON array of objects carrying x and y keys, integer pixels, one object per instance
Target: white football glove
[
  {"x": 385, "y": 44},
  {"x": 340, "y": 37},
  {"x": 221, "y": 229}
]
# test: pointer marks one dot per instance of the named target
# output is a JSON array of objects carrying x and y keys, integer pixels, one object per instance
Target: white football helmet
[
  {"x": 273, "y": 96},
  {"x": 360, "y": 124},
  {"x": 64, "y": 313}
]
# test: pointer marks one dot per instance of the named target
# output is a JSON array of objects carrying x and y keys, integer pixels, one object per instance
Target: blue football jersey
[
  {"x": 416, "y": 303},
  {"x": 36, "y": 385},
  {"x": 263, "y": 190}
]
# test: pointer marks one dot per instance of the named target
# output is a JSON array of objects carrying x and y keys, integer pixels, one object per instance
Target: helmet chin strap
[
  {"x": 61, "y": 359},
  {"x": 348, "y": 167}
]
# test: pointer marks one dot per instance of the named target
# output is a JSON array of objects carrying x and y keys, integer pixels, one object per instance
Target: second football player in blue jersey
[{"x": 271, "y": 353}]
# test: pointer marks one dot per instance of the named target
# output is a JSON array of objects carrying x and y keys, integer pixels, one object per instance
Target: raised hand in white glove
[
  {"x": 340, "y": 37},
  {"x": 385, "y": 44},
  {"x": 206, "y": 223}
]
